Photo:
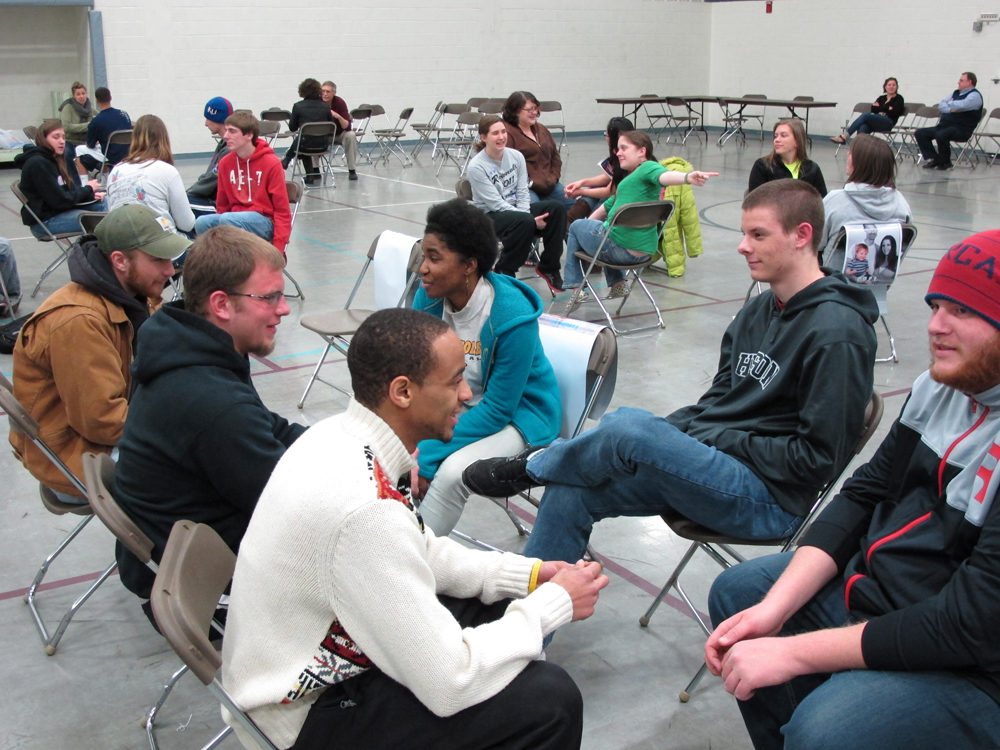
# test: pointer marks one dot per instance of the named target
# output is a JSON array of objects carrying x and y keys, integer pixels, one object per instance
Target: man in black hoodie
[
  {"x": 72, "y": 357},
  {"x": 781, "y": 417},
  {"x": 199, "y": 444}
]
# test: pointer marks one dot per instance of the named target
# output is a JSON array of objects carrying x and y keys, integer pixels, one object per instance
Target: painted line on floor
[
  {"x": 681, "y": 291},
  {"x": 404, "y": 182},
  {"x": 383, "y": 205},
  {"x": 18, "y": 593},
  {"x": 369, "y": 210}
]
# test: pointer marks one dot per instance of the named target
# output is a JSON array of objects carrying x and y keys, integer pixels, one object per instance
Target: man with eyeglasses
[{"x": 199, "y": 444}]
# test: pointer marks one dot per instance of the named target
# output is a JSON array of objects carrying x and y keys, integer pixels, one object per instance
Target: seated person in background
[
  {"x": 107, "y": 121},
  {"x": 880, "y": 629},
  {"x": 76, "y": 114},
  {"x": 11, "y": 279},
  {"x": 53, "y": 190},
  {"x": 644, "y": 181},
  {"x": 252, "y": 193},
  {"x": 312, "y": 108},
  {"x": 857, "y": 270},
  {"x": 72, "y": 358},
  {"x": 885, "y": 113},
  {"x": 960, "y": 114},
  {"x": 789, "y": 158},
  {"x": 514, "y": 399},
  {"x": 870, "y": 195},
  {"x": 201, "y": 195},
  {"x": 499, "y": 184},
  {"x": 595, "y": 190},
  {"x": 781, "y": 418},
  {"x": 345, "y": 128},
  {"x": 148, "y": 176},
  {"x": 343, "y": 599},
  {"x": 199, "y": 444}
]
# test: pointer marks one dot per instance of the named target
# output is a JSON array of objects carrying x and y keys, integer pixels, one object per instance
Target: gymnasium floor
[{"x": 111, "y": 664}]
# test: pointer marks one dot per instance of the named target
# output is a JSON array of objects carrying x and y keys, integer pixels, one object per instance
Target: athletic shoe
[
  {"x": 552, "y": 278},
  {"x": 352, "y": 175},
  {"x": 621, "y": 289},
  {"x": 500, "y": 477}
]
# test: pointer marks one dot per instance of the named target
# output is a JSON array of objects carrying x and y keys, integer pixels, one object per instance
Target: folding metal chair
[
  {"x": 334, "y": 327},
  {"x": 462, "y": 141},
  {"x": 294, "y": 199},
  {"x": 715, "y": 544},
  {"x": 117, "y": 138},
  {"x": 969, "y": 148},
  {"x": 653, "y": 118},
  {"x": 922, "y": 118},
  {"x": 861, "y": 108},
  {"x": 475, "y": 101},
  {"x": 388, "y": 139},
  {"x": 732, "y": 123},
  {"x": 196, "y": 568},
  {"x": 993, "y": 136},
  {"x": 360, "y": 119},
  {"x": 447, "y": 110},
  {"x": 90, "y": 220},
  {"x": 491, "y": 106},
  {"x": 21, "y": 421},
  {"x": 323, "y": 155},
  {"x": 426, "y": 129},
  {"x": 690, "y": 122},
  {"x": 269, "y": 130},
  {"x": 758, "y": 116},
  {"x": 641, "y": 215},
  {"x": 61, "y": 240},
  {"x": 561, "y": 126},
  {"x": 896, "y": 137}
]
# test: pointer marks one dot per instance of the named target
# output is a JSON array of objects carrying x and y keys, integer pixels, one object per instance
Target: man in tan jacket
[{"x": 72, "y": 357}]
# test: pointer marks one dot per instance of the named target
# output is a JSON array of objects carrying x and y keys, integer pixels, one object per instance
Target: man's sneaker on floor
[
  {"x": 620, "y": 289},
  {"x": 500, "y": 477},
  {"x": 575, "y": 302},
  {"x": 552, "y": 278},
  {"x": 352, "y": 175}
]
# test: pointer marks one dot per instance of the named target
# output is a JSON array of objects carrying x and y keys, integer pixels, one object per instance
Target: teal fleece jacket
[{"x": 519, "y": 386}]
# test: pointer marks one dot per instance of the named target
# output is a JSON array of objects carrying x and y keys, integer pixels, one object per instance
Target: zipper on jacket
[{"x": 944, "y": 458}]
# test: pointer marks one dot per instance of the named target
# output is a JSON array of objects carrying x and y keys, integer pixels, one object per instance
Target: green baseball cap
[{"x": 135, "y": 226}]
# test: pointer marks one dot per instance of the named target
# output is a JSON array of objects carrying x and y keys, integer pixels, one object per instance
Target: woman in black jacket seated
[
  {"x": 54, "y": 192},
  {"x": 312, "y": 108},
  {"x": 789, "y": 159},
  {"x": 885, "y": 113}
]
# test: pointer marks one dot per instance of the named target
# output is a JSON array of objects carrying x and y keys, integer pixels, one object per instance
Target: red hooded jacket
[{"x": 256, "y": 184}]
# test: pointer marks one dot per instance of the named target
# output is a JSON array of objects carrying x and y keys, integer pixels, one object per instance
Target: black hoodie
[
  {"x": 40, "y": 183},
  {"x": 789, "y": 397},
  {"x": 90, "y": 268},
  {"x": 198, "y": 443}
]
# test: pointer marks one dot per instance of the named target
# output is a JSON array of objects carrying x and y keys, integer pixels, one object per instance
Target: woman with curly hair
[
  {"x": 312, "y": 108},
  {"x": 515, "y": 397}
]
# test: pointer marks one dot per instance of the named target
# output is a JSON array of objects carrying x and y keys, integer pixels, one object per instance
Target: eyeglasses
[
  {"x": 272, "y": 299},
  {"x": 531, "y": 110}
]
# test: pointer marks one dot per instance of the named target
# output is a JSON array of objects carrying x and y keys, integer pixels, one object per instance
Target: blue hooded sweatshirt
[{"x": 519, "y": 386}]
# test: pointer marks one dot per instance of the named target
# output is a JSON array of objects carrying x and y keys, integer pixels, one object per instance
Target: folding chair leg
[
  {"x": 893, "y": 357},
  {"x": 52, "y": 266},
  {"x": 315, "y": 373},
  {"x": 504, "y": 505},
  {"x": 299, "y": 294},
  {"x": 685, "y": 694},
  {"x": 150, "y": 722},
  {"x": 644, "y": 620}
]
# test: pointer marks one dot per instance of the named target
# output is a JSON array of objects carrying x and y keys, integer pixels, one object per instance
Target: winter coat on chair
[{"x": 683, "y": 230}]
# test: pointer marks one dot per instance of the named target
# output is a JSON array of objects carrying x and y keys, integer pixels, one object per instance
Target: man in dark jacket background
[
  {"x": 199, "y": 444},
  {"x": 781, "y": 417},
  {"x": 887, "y": 613},
  {"x": 960, "y": 114}
]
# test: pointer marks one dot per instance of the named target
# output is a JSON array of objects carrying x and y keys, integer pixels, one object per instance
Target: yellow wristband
[{"x": 533, "y": 581}]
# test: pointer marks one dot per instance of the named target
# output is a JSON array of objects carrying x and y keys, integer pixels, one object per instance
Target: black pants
[
  {"x": 941, "y": 134},
  {"x": 517, "y": 230},
  {"x": 540, "y": 709}
]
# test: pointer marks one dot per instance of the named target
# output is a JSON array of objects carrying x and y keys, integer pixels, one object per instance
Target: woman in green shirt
[{"x": 644, "y": 182}]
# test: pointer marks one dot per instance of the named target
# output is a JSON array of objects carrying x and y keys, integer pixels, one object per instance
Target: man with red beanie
[{"x": 883, "y": 628}]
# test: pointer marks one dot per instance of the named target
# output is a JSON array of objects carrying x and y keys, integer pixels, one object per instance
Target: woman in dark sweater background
[
  {"x": 312, "y": 108},
  {"x": 788, "y": 160},
  {"x": 885, "y": 113}
]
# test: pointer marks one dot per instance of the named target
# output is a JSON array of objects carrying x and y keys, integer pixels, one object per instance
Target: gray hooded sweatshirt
[{"x": 857, "y": 203}]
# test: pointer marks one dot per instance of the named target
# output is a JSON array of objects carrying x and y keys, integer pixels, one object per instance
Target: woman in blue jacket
[{"x": 515, "y": 397}]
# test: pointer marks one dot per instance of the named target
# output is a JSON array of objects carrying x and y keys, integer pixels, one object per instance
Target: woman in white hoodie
[
  {"x": 869, "y": 196},
  {"x": 148, "y": 176}
]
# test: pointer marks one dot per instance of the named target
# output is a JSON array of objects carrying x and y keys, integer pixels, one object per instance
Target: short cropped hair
[
  {"x": 310, "y": 89},
  {"x": 794, "y": 202},
  {"x": 246, "y": 122},
  {"x": 223, "y": 259},
  {"x": 515, "y": 103},
  {"x": 391, "y": 343},
  {"x": 972, "y": 77},
  {"x": 872, "y": 161},
  {"x": 465, "y": 230},
  {"x": 102, "y": 94}
]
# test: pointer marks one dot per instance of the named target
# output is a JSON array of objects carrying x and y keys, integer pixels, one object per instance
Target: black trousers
[
  {"x": 517, "y": 230},
  {"x": 943, "y": 135},
  {"x": 540, "y": 709}
]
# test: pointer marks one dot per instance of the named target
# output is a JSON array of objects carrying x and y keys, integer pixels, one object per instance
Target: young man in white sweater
[{"x": 351, "y": 625}]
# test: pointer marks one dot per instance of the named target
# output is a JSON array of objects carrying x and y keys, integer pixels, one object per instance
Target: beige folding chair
[
  {"x": 491, "y": 106},
  {"x": 544, "y": 107},
  {"x": 756, "y": 115},
  {"x": 426, "y": 130},
  {"x": 993, "y": 135},
  {"x": 861, "y": 108},
  {"x": 360, "y": 118},
  {"x": 922, "y": 118},
  {"x": 30, "y": 131},
  {"x": 118, "y": 138},
  {"x": 294, "y": 199},
  {"x": 641, "y": 215},
  {"x": 462, "y": 142},
  {"x": 689, "y": 122},
  {"x": 715, "y": 544},
  {"x": 970, "y": 151},
  {"x": 195, "y": 570},
  {"x": 475, "y": 101},
  {"x": 323, "y": 155},
  {"x": 388, "y": 139},
  {"x": 447, "y": 110},
  {"x": 21, "y": 421},
  {"x": 336, "y": 326},
  {"x": 732, "y": 122},
  {"x": 269, "y": 130},
  {"x": 61, "y": 240},
  {"x": 90, "y": 220}
]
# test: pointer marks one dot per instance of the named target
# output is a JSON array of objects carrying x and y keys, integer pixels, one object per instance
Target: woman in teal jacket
[{"x": 515, "y": 401}]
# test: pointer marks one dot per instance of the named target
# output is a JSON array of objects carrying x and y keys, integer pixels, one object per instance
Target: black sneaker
[
  {"x": 552, "y": 278},
  {"x": 945, "y": 165},
  {"x": 352, "y": 175},
  {"x": 500, "y": 477},
  {"x": 932, "y": 164}
]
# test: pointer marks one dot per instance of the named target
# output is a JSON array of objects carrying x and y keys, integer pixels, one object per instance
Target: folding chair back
[
  {"x": 462, "y": 141},
  {"x": 98, "y": 471},
  {"x": 117, "y": 138},
  {"x": 491, "y": 106},
  {"x": 275, "y": 114},
  {"x": 803, "y": 99},
  {"x": 463, "y": 188},
  {"x": 968, "y": 152},
  {"x": 552, "y": 106},
  {"x": 310, "y": 131},
  {"x": 427, "y": 129},
  {"x": 269, "y": 130},
  {"x": 475, "y": 101},
  {"x": 90, "y": 220},
  {"x": 756, "y": 115},
  {"x": 30, "y": 131}
]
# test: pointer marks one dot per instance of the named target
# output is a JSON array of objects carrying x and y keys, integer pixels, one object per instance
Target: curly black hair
[
  {"x": 310, "y": 89},
  {"x": 515, "y": 103},
  {"x": 466, "y": 230}
]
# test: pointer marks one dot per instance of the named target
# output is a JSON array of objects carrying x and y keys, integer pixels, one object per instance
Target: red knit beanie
[{"x": 969, "y": 275}]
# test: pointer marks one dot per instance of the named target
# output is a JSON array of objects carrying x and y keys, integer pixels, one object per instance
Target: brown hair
[
  {"x": 246, "y": 123},
  {"x": 150, "y": 141},
  {"x": 103, "y": 95},
  {"x": 639, "y": 139},
  {"x": 794, "y": 202},
  {"x": 48, "y": 127},
  {"x": 798, "y": 133},
  {"x": 515, "y": 103},
  {"x": 310, "y": 89},
  {"x": 223, "y": 259},
  {"x": 77, "y": 85},
  {"x": 971, "y": 76},
  {"x": 872, "y": 161},
  {"x": 886, "y": 83},
  {"x": 485, "y": 124}
]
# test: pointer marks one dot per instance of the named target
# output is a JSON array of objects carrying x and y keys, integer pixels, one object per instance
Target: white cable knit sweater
[{"x": 332, "y": 543}]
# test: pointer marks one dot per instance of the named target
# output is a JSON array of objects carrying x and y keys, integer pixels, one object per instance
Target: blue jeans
[
  {"x": 636, "y": 464},
  {"x": 586, "y": 235},
  {"x": 8, "y": 269},
  {"x": 251, "y": 221},
  {"x": 558, "y": 194},
  {"x": 884, "y": 710},
  {"x": 67, "y": 221},
  {"x": 870, "y": 123}
]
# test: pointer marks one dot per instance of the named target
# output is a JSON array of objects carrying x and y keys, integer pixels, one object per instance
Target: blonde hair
[{"x": 150, "y": 141}]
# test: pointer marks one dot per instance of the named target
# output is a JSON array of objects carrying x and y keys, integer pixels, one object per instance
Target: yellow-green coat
[{"x": 683, "y": 231}]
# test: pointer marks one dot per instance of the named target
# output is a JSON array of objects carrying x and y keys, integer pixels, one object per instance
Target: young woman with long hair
[{"x": 789, "y": 159}]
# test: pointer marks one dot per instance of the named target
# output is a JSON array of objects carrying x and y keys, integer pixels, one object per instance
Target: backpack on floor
[{"x": 9, "y": 333}]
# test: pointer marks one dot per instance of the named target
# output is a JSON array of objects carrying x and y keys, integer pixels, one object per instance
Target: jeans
[
  {"x": 67, "y": 221},
  {"x": 636, "y": 464},
  {"x": 251, "y": 221},
  {"x": 870, "y": 123},
  {"x": 445, "y": 500},
  {"x": 8, "y": 270},
  {"x": 943, "y": 136},
  {"x": 848, "y": 710},
  {"x": 586, "y": 235},
  {"x": 558, "y": 194}
]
